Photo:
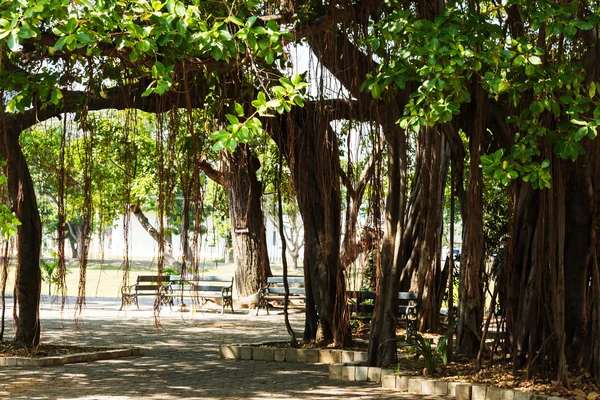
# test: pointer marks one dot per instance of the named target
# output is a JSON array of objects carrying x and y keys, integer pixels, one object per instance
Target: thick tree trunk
[
  {"x": 555, "y": 269},
  {"x": 24, "y": 204},
  {"x": 470, "y": 291},
  {"x": 382, "y": 343},
  {"x": 244, "y": 194},
  {"x": 423, "y": 238},
  {"x": 312, "y": 154}
]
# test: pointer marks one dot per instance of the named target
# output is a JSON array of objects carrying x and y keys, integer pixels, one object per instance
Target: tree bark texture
[
  {"x": 28, "y": 280},
  {"x": 554, "y": 251},
  {"x": 382, "y": 344},
  {"x": 244, "y": 195},
  {"x": 470, "y": 290},
  {"x": 423, "y": 238},
  {"x": 312, "y": 154}
]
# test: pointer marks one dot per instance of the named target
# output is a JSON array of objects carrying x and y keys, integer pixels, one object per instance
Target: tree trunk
[
  {"x": 470, "y": 291},
  {"x": 244, "y": 194},
  {"x": 311, "y": 152},
  {"x": 422, "y": 273},
  {"x": 382, "y": 343},
  {"x": 28, "y": 280}
]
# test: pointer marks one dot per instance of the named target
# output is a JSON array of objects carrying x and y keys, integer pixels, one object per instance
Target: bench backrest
[
  {"x": 201, "y": 283},
  {"x": 295, "y": 285},
  {"x": 359, "y": 299},
  {"x": 153, "y": 279},
  {"x": 150, "y": 283},
  {"x": 292, "y": 280}
]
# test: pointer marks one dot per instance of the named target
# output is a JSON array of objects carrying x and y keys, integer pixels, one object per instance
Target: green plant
[
  {"x": 423, "y": 347},
  {"x": 170, "y": 271},
  {"x": 50, "y": 273}
]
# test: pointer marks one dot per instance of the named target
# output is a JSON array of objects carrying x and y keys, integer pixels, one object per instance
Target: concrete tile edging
[
  {"x": 67, "y": 359},
  {"x": 257, "y": 352},
  {"x": 347, "y": 365},
  {"x": 421, "y": 385}
]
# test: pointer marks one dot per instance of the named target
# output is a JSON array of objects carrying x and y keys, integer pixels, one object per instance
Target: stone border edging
[
  {"x": 420, "y": 385},
  {"x": 67, "y": 359},
  {"x": 256, "y": 352},
  {"x": 346, "y": 365}
]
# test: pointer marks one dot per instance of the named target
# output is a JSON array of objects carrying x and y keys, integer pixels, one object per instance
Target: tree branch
[{"x": 213, "y": 174}]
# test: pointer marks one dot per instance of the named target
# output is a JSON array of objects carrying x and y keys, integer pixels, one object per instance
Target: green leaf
[
  {"x": 545, "y": 163},
  {"x": 239, "y": 109},
  {"x": 296, "y": 79},
  {"x": 232, "y": 119},
  {"x": 536, "y": 107},
  {"x": 486, "y": 160},
  {"x": 219, "y": 135},
  {"x": 578, "y": 122},
  {"x": 570, "y": 31},
  {"x": 236, "y": 20},
  {"x": 143, "y": 46},
  {"x": 592, "y": 90},
  {"x": 134, "y": 56},
  {"x": 25, "y": 33},
  {"x": 60, "y": 43},
  {"x": 149, "y": 90},
  {"x": 376, "y": 91},
  {"x": 13, "y": 42},
  {"x": 71, "y": 25},
  {"x": 518, "y": 61},
  {"x": 180, "y": 9},
  {"x": 216, "y": 53},
  {"x": 583, "y": 25},
  {"x": 581, "y": 133},
  {"x": 535, "y": 60},
  {"x": 270, "y": 57}
]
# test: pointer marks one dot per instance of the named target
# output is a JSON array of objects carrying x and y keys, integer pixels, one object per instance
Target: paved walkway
[{"x": 179, "y": 361}]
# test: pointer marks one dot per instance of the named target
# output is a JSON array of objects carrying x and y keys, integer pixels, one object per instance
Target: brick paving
[{"x": 179, "y": 359}]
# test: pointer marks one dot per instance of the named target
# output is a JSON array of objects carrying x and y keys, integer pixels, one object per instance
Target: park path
[{"x": 179, "y": 361}]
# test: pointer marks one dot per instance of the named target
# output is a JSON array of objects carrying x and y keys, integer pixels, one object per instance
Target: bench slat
[
  {"x": 200, "y": 278},
  {"x": 292, "y": 291},
  {"x": 155, "y": 288},
  {"x": 290, "y": 279},
  {"x": 153, "y": 278}
]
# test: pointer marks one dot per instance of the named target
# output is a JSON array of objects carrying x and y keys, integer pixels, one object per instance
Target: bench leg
[{"x": 259, "y": 303}]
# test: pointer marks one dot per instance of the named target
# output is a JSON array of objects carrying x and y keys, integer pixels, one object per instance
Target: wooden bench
[
  {"x": 201, "y": 288},
  {"x": 145, "y": 285},
  {"x": 274, "y": 290},
  {"x": 361, "y": 305}
]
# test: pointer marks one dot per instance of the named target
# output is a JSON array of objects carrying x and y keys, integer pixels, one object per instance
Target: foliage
[
  {"x": 170, "y": 271},
  {"x": 8, "y": 220},
  {"x": 50, "y": 272},
  {"x": 283, "y": 98},
  {"x": 117, "y": 143},
  {"x": 445, "y": 55},
  {"x": 422, "y": 347}
]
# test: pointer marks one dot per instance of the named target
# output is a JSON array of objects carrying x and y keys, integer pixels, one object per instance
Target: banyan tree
[{"x": 510, "y": 86}]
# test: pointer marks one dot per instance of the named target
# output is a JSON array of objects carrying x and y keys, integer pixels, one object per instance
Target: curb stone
[
  {"x": 256, "y": 352},
  {"x": 347, "y": 365},
  {"x": 68, "y": 359}
]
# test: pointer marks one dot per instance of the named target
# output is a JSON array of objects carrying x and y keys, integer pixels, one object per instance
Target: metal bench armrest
[
  {"x": 226, "y": 291},
  {"x": 128, "y": 290}
]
